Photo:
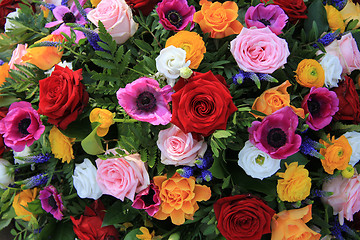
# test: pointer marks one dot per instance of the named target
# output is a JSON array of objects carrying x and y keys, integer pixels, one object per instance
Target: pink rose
[
  {"x": 117, "y": 18},
  {"x": 178, "y": 148},
  {"x": 259, "y": 50},
  {"x": 122, "y": 177},
  {"x": 347, "y": 51},
  {"x": 17, "y": 54}
]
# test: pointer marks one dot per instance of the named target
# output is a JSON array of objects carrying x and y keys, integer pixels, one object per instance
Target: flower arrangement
[{"x": 179, "y": 119}]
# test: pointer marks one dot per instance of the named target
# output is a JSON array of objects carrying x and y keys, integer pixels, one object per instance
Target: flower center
[
  {"x": 175, "y": 18},
  {"x": 23, "y": 126},
  {"x": 276, "y": 137},
  {"x": 265, "y": 22},
  {"x": 52, "y": 202},
  {"x": 314, "y": 107},
  {"x": 260, "y": 160},
  {"x": 149, "y": 198},
  {"x": 146, "y": 101},
  {"x": 69, "y": 17}
]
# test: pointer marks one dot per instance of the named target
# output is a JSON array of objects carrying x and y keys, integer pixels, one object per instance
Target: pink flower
[
  {"x": 148, "y": 199},
  {"x": 122, "y": 177},
  {"x": 145, "y": 101},
  {"x": 259, "y": 50},
  {"x": 179, "y": 148},
  {"x": 16, "y": 56},
  {"x": 51, "y": 202}
]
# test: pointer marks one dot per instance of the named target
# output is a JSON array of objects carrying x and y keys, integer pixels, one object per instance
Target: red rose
[
  {"x": 243, "y": 217},
  {"x": 6, "y": 7},
  {"x": 62, "y": 96},
  {"x": 295, "y": 9},
  {"x": 3, "y": 112},
  {"x": 88, "y": 226},
  {"x": 143, "y": 6},
  {"x": 349, "y": 105},
  {"x": 202, "y": 104}
]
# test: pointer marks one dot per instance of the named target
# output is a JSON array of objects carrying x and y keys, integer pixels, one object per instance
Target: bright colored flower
[
  {"x": 336, "y": 154},
  {"x": 61, "y": 145},
  {"x": 354, "y": 141},
  {"x": 148, "y": 199},
  {"x": 6, "y": 176},
  {"x": 103, "y": 116},
  {"x": 334, "y": 18},
  {"x": 17, "y": 54},
  {"x": 332, "y": 68},
  {"x": 21, "y": 201},
  {"x": 145, "y": 234},
  {"x": 94, "y": 3},
  {"x": 193, "y": 45},
  {"x": 51, "y": 202},
  {"x": 179, "y": 197},
  {"x": 218, "y": 19},
  {"x": 309, "y": 73},
  {"x": 351, "y": 11},
  {"x": 4, "y": 72},
  {"x": 348, "y": 172},
  {"x": 145, "y": 101}
]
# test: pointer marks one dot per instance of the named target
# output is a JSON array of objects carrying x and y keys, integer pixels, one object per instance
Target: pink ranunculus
[
  {"x": 259, "y": 50},
  {"x": 122, "y": 177},
  {"x": 16, "y": 56},
  {"x": 347, "y": 51},
  {"x": 179, "y": 148},
  {"x": 117, "y": 18}
]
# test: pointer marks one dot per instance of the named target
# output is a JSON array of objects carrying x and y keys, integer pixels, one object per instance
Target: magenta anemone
[
  {"x": 51, "y": 202},
  {"x": 148, "y": 199}
]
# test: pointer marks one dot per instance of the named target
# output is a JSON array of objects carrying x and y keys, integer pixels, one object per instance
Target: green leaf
[
  {"x": 119, "y": 213},
  {"x": 317, "y": 14},
  {"x": 104, "y": 64},
  {"x": 226, "y": 182},
  {"x": 132, "y": 234},
  {"x": 222, "y": 134},
  {"x": 58, "y": 231},
  {"x": 4, "y": 223},
  {"x": 217, "y": 169},
  {"x": 92, "y": 143},
  {"x": 5, "y": 195},
  {"x": 78, "y": 129},
  {"x": 35, "y": 207},
  {"x": 143, "y": 46}
]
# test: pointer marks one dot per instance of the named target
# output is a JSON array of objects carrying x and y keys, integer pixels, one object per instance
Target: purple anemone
[
  {"x": 275, "y": 135},
  {"x": 321, "y": 104},
  {"x": 175, "y": 15},
  {"x": 51, "y": 202},
  {"x": 21, "y": 126},
  {"x": 148, "y": 199},
  {"x": 145, "y": 101},
  {"x": 271, "y": 16}
]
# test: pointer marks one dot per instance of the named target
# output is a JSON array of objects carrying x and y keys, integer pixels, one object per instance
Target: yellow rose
[
  {"x": 95, "y": 2},
  {"x": 21, "y": 200},
  {"x": 103, "y": 116},
  {"x": 334, "y": 18},
  {"x": 61, "y": 145},
  {"x": 4, "y": 72},
  {"x": 295, "y": 183},
  {"x": 351, "y": 11},
  {"x": 309, "y": 73}
]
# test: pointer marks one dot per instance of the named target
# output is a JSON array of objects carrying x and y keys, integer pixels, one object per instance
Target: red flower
[
  {"x": 201, "y": 104},
  {"x": 143, "y": 6},
  {"x": 62, "y": 96},
  {"x": 295, "y": 9},
  {"x": 243, "y": 217},
  {"x": 6, "y": 7},
  {"x": 88, "y": 226},
  {"x": 3, "y": 112}
]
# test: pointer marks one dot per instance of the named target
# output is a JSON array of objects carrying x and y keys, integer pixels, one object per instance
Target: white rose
[
  {"x": 24, "y": 153},
  {"x": 257, "y": 163},
  {"x": 85, "y": 180},
  {"x": 333, "y": 69},
  {"x": 61, "y": 64},
  {"x": 170, "y": 61},
  {"x": 5, "y": 176},
  {"x": 8, "y": 24},
  {"x": 354, "y": 141}
]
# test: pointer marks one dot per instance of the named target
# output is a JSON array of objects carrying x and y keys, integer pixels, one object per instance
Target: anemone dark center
[
  {"x": 52, "y": 202},
  {"x": 146, "y": 101},
  {"x": 23, "y": 126},
  {"x": 149, "y": 198},
  {"x": 276, "y": 137},
  {"x": 174, "y": 18},
  {"x": 265, "y": 22},
  {"x": 314, "y": 107},
  {"x": 69, "y": 17}
]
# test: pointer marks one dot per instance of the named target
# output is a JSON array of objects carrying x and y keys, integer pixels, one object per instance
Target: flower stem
[
  {"x": 125, "y": 120},
  {"x": 74, "y": 195}
]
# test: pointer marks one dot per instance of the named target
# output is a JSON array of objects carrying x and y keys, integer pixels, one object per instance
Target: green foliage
[
  {"x": 119, "y": 212},
  {"x": 316, "y": 22}
]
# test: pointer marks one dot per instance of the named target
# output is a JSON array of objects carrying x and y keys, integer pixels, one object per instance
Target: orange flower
[
  {"x": 192, "y": 43},
  {"x": 21, "y": 201},
  {"x": 44, "y": 57},
  {"x": 274, "y": 99},
  {"x": 309, "y": 73},
  {"x": 218, "y": 19},
  {"x": 336, "y": 155},
  {"x": 334, "y": 18},
  {"x": 290, "y": 224},
  {"x": 179, "y": 197},
  {"x": 4, "y": 72},
  {"x": 103, "y": 116}
]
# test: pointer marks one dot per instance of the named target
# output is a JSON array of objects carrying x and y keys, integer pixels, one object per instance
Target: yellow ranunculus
[
  {"x": 295, "y": 183},
  {"x": 309, "y": 73},
  {"x": 351, "y": 11},
  {"x": 61, "y": 145},
  {"x": 21, "y": 200},
  {"x": 146, "y": 235},
  {"x": 103, "y": 116},
  {"x": 4, "y": 72},
  {"x": 334, "y": 18},
  {"x": 95, "y": 2}
]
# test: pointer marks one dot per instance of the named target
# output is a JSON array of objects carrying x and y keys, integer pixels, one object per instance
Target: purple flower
[
  {"x": 321, "y": 104},
  {"x": 21, "y": 126},
  {"x": 51, "y": 202},
  {"x": 148, "y": 199},
  {"x": 175, "y": 14},
  {"x": 275, "y": 135},
  {"x": 271, "y": 16},
  {"x": 145, "y": 101}
]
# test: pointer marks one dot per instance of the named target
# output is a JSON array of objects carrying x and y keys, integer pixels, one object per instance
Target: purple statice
[
  {"x": 64, "y": 2},
  {"x": 51, "y": 202},
  {"x": 338, "y": 4},
  {"x": 271, "y": 16},
  {"x": 35, "y": 181},
  {"x": 206, "y": 175},
  {"x": 1, "y": 62},
  {"x": 49, "y": 6},
  {"x": 206, "y": 161},
  {"x": 255, "y": 77},
  {"x": 327, "y": 39},
  {"x": 148, "y": 199},
  {"x": 311, "y": 147},
  {"x": 40, "y": 158},
  {"x": 175, "y": 15},
  {"x": 186, "y": 171},
  {"x": 92, "y": 37}
]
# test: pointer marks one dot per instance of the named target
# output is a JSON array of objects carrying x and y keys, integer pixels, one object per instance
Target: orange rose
[
  {"x": 290, "y": 224},
  {"x": 218, "y": 19},
  {"x": 179, "y": 197},
  {"x": 4, "y": 72},
  {"x": 21, "y": 201}
]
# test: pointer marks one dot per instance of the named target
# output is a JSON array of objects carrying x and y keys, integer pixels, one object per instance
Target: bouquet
[{"x": 180, "y": 119}]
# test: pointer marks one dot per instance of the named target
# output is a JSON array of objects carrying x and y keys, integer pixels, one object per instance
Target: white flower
[
  {"x": 333, "y": 69},
  {"x": 8, "y": 24},
  {"x": 24, "y": 153},
  {"x": 5, "y": 176},
  {"x": 61, "y": 64},
  {"x": 354, "y": 141},
  {"x": 257, "y": 163},
  {"x": 85, "y": 180},
  {"x": 170, "y": 61}
]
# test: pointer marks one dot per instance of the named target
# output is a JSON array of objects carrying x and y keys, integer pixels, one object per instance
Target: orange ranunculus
[
  {"x": 290, "y": 224},
  {"x": 336, "y": 155},
  {"x": 310, "y": 73},
  {"x": 274, "y": 99},
  {"x": 192, "y": 43},
  {"x": 21, "y": 200},
  {"x": 4, "y": 72},
  {"x": 103, "y": 116},
  {"x": 44, "y": 57},
  {"x": 179, "y": 197},
  {"x": 218, "y": 19}
]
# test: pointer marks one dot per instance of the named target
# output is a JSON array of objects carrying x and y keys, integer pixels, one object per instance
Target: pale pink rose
[
  {"x": 122, "y": 177},
  {"x": 17, "y": 54},
  {"x": 117, "y": 18},
  {"x": 347, "y": 51},
  {"x": 178, "y": 148},
  {"x": 259, "y": 50}
]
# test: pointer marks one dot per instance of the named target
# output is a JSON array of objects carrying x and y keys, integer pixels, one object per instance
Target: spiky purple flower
[{"x": 51, "y": 202}]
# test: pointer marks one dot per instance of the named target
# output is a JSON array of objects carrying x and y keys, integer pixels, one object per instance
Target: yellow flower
[
  {"x": 103, "y": 116},
  {"x": 348, "y": 172},
  {"x": 4, "y": 72},
  {"x": 61, "y": 145},
  {"x": 295, "y": 183},
  {"x": 309, "y": 73},
  {"x": 95, "y": 2},
  {"x": 21, "y": 201},
  {"x": 334, "y": 18},
  {"x": 336, "y": 155},
  {"x": 351, "y": 11},
  {"x": 145, "y": 234}
]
